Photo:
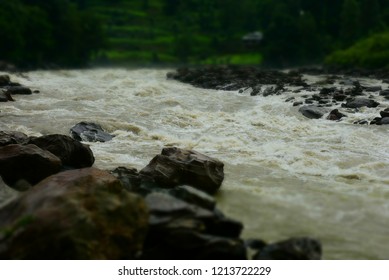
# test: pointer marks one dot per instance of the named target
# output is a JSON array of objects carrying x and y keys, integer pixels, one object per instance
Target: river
[{"x": 285, "y": 175}]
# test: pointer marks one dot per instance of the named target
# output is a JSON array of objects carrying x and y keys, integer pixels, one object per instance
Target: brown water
[{"x": 286, "y": 175}]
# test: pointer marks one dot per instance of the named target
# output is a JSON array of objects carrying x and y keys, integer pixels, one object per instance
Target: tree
[{"x": 350, "y": 26}]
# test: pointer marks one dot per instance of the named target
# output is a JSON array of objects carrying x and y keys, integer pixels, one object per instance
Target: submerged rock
[
  {"x": 90, "y": 132},
  {"x": 174, "y": 167},
  {"x": 26, "y": 162},
  {"x": 72, "y": 153},
  {"x": 360, "y": 102},
  {"x": 77, "y": 214}
]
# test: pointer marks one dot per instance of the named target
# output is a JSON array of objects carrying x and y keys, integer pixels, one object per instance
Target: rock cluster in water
[
  {"x": 68, "y": 209},
  {"x": 333, "y": 98},
  {"x": 9, "y": 88}
]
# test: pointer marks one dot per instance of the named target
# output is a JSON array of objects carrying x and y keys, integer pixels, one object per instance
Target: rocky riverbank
[
  {"x": 60, "y": 207},
  {"x": 335, "y": 95}
]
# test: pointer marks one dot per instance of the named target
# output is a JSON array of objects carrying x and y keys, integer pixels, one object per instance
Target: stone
[
  {"x": 360, "y": 102},
  {"x": 372, "y": 88},
  {"x": 12, "y": 137},
  {"x": 27, "y": 162},
  {"x": 89, "y": 132},
  {"x": 303, "y": 248},
  {"x": 335, "y": 115},
  {"x": 72, "y": 153},
  {"x": 4, "y": 80},
  {"x": 77, "y": 214},
  {"x": 312, "y": 112},
  {"x": 5, "y": 96},
  {"x": 129, "y": 177},
  {"x": 19, "y": 90},
  {"x": 174, "y": 167},
  {"x": 179, "y": 230}
]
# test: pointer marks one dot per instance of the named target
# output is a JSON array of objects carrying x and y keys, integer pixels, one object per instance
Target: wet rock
[
  {"x": 360, "y": 102},
  {"x": 89, "y": 132},
  {"x": 72, "y": 153},
  {"x": 384, "y": 121},
  {"x": 309, "y": 101},
  {"x": 12, "y": 137},
  {"x": 26, "y": 162},
  {"x": 372, "y": 88},
  {"x": 335, "y": 115},
  {"x": 4, "y": 80},
  {"x": 339, "y": 96},
  {"x": 385, "y": 93},
  {"x": 312, "y": 112},
  {"x": 179, "y": 230},
  {"x": 77, "y": 214},
  {"x": 5, "y": 96},
  {"x": 356, "y": 90},
  {"x": 292, "y": 249},
  {"x": 327, "y": 91},
  {"x": 361, "y": 122},
  {"x": 289, "y": 99},
  {"x": 130, "y": 179},
  {"x": 297, "y": 103},
  {"x": 384, "y": 114},
  {"x": 174, "y": 167},
  {"x": 19, "y": 90},
  {"x": 255, "y": 244}
]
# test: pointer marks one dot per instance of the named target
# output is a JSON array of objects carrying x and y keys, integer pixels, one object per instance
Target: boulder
[
  {"x": 72, "y": 153},
  {"x": 360, "y": 102},
  {"x": 179, "y": 230},
  {"x": 312, "y": 112},
  {"x": 335, "y": 115},
  {"x": 90, "y": 132},
  {"x": 26, "y": 162},
  {"x": 303, "y": 248},
  {"x": 174, "y": 167},
  {"x": 129, "y": 177},
  {"x": 5, "y": 96},
  {"x": 12, "y": 137},
  {"x": 4, "y": 80},
  {"x": 77, "y": 214},
  {"x": 19, "y": 90}
]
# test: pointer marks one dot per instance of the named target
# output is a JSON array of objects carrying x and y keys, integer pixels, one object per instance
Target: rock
[
  {"x": 327, "y": 91},
  {"x": 292, "y": 249},
  {"x": 360, "y": 102},
  {"x": 193, "y": 196},
  {"x": 12, "y": 137},
  {"x": 361, "y": 122},
  {"x": 372, "y": 88},
  {"x": 312, "y": 112},
  {"x": 297, "y": 103},
  {"x": 4, "y": 80},
  {"x": 339, "y": 96},
  {"x": 5, "y": 96},
  {"x": 384, "y": 120},
  {"x": 27, "y": 162},
  {"x": 335, "y": 115},
  {"x": 72, "y": 153},
  {"x": 129, "y": 177},
  {"x": 174, "y": 167},
  {"x": 19, "y": 90},
  {"x": 256, "y": 244},
  {"x": 179, "y": 230},
  {"x": 384, "y": 114},
  {"x": 385, "y": 93},
  {"x": 89, "y": 132},
  {"x": 77, "y": 214}
]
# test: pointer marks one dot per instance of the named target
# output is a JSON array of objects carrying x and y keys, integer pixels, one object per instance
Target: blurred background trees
[{"x": 73, "y": 33}]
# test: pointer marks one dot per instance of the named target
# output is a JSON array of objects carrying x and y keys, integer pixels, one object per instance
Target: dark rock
[
  {"x": 372, "y": 88},
  {"x": 4, "y": 80},
  {"x": 327, "y": 91},
  {"x": 19, "y": 90},
  {"x": 179, "y": 230},
  {"x": 297, "y": 103},
  {"x": 36, "y": 91},
  {"x": 385, "y": 93},
  {"x": 361, "y": 122},
  {"x": 309, "y": 101},
  {"x": 339, "y": 96},
  {"x": 12, "y": 137},
  {"x": 312, "y": 112},
  {"x": 335, "y": 115},
  {"x": 360, "y": 102},
  {"x": 289, "y": 99},
  {"x": 72, "y": 153},
  {"x": 77, "y": 214},
  {"x": 376, "y": 121},
  {"x": 89, "y": 132},
  {"x": 384, "y": 114},
  {"x": 174, "y": 167},
  {"x": 384, "y": 120},
  {"x": 27, "y": 162},
  {"x": 255, "y": 244},
  {"x": 292, "y": 249},
  {"x": 193, "y": 196},
  {"x": 129, "y": 177},
  {"x": 5, "y": 96}
]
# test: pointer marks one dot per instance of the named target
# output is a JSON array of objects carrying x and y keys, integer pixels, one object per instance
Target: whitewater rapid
[{"x": 285, "y": 175}]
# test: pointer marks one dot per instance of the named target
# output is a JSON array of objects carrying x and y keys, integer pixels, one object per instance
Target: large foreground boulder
[
  {"x": 77, "y": 214},
  {"x": 174, "y": 167},
  {"x": 72, "y": 153},
  {"x": 27, "y": 162}
]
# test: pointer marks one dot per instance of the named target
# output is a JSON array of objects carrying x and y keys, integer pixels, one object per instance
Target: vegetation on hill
[{"x": 295, "y": 32}]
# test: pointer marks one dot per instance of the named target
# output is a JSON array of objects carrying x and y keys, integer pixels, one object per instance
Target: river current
[{"x": 285, "y": 175}]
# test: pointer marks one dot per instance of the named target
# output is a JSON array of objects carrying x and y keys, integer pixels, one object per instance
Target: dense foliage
[{"x": 295, "y": 32}]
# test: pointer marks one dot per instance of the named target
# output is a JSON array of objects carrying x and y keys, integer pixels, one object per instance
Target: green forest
[{"x": 77, "y": 33}]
